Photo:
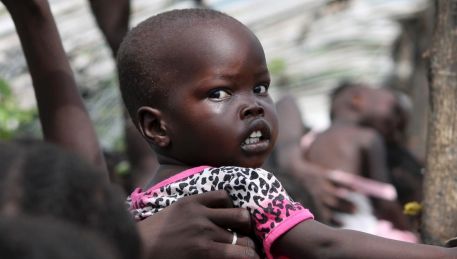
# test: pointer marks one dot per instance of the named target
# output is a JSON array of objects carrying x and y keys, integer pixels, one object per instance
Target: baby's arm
[
  {"x": 63, "y": 116},
  {"x": 311, "y": 239}
]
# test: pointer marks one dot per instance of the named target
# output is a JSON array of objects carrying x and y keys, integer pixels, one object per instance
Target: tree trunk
[
  {"x": 440, "y": 186},
  {"x": 410, "y": 75}
]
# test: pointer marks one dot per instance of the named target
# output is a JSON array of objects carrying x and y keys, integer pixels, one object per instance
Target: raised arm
[
  {"x": 62, "y": 113},
  {"x": 112, "y": 18}
]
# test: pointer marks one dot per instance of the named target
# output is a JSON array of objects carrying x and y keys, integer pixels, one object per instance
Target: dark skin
[
  {"x": 228, "y": 93},
  {"x": 195, "y": 229},
  {"x": 310, "y": 175},
  {"x": 64, "y": 120},
  {"x": 381, "y": 114},
  {"x": 243, "y": 105},
  {"x": 66, "y": 117},
  {"x": 112, "y": 18},
  {"x": 356, "y": 149},
  {"x": 405, "y": 168}
]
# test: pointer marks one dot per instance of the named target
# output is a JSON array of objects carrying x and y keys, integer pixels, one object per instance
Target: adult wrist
[{"x": 34, "y": 8}]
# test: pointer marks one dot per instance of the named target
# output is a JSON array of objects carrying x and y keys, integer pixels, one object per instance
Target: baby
[
  {"x": 195, "y": 83},
  {"x": 358, "y": 151}
]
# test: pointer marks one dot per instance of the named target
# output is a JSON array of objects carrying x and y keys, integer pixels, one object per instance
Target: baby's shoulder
[
  {"x": 241, "y": 175},
  {"x": 241, "y": 171}
]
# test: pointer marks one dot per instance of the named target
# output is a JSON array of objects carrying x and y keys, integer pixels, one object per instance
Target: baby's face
[
  {"x": 222, "y": 113},
  {"x": 381, "y": 110}
]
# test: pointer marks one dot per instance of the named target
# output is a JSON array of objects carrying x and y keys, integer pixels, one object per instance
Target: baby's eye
[
  {"x": 219, "y": 94},
  {"x": 261, "y": 89}
]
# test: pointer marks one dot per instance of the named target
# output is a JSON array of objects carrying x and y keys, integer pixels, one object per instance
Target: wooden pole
[{"x": 440, "y": 185}]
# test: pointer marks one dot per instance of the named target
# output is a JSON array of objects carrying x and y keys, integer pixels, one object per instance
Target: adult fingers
[
  {"x": 215, "y": 199},
  {"x": 339, "y": 204},
  {"x": 335, "y": 198},
  {"x": 237, "y": 219},
  {"x": 229, "y": 251},
  {"x": 225, "y": 236}
]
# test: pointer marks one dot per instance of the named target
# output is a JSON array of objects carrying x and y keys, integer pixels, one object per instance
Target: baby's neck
[
  {"x": 167, "y": 168},
  {"x": 346, "y": 119}
]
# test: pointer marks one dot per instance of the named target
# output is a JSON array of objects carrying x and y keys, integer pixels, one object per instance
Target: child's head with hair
[
  {"x": 383, "y": 117},
  {"x": 372, "y": 106},
  {"x": 39, "y": 179},
  {"x": 47, "y": 238},
  {"x": 195, "y": 83},
  {"x": 347, "y": 96}
]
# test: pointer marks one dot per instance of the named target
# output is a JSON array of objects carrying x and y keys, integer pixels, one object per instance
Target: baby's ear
[{"x": 152, "y": 126}]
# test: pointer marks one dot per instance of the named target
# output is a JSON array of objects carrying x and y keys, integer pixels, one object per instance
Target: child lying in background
[{"x": 357, "y": 152}]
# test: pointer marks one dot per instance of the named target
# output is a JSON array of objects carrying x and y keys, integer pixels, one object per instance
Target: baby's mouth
[
  {"x": 256, "y": 142},
  {"x": 254, "y": 138}
]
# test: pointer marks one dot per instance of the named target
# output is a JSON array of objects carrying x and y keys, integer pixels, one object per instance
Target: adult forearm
[
  {"x": 113, "y": 19},
  {"x": 63, "y": 116}
]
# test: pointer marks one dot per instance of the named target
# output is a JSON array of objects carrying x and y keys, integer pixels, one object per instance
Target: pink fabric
[
  {"x": 386, "y": 229},
  {"x": 138, "y": 195},
  {"x": 272, "y": 211},
  {"x": 307, "y": 140},
  {"x": 285, "y": 226},
  {"x": 179, "y": 176},
  {"x": 364, "y": 185}
]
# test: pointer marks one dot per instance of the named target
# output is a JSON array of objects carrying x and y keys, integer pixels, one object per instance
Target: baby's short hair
[
  {"x": 145, "y": 69},
  {"x": 343, "y": 87},
  {"x": 338, "y": 97}
]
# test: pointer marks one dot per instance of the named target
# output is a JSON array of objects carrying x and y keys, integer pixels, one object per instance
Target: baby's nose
[{"x": 252, "y": 110}]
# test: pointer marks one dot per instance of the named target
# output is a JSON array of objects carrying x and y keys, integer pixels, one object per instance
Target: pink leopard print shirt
[{"x": 272, "y": 210}]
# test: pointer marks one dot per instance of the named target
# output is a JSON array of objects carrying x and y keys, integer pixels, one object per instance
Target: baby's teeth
[
  {"x": 252, "y": 140},
  {"x": 256, "y": 134}
]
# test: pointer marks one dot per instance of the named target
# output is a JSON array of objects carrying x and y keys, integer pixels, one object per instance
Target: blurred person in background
[{"x": 349, "y": 148}]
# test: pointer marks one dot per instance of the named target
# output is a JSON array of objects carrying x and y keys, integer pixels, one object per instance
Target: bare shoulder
[{"x": 356, "y": 135}]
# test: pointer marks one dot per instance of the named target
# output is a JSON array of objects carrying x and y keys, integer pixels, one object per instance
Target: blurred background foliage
[{"x": 13, "y": 118}]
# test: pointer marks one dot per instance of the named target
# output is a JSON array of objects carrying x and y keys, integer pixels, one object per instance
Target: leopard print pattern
[{"x": 254, "y": 189}]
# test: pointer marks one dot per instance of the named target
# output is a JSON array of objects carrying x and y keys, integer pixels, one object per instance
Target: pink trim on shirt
[
  {"x": 177, "y": 177},
  {"x": 138, "y": 193},
  {"x": 283, "y": 227}
]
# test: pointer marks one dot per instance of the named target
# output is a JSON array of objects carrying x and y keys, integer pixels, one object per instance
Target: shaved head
[{"x": 160, "y": 53}]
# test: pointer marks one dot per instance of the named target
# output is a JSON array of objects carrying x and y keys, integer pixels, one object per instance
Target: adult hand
[
  {"x": 332, "y": 196},
  {"x": 196, "y": 227},
  {"x": 329, "y": 196}
]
